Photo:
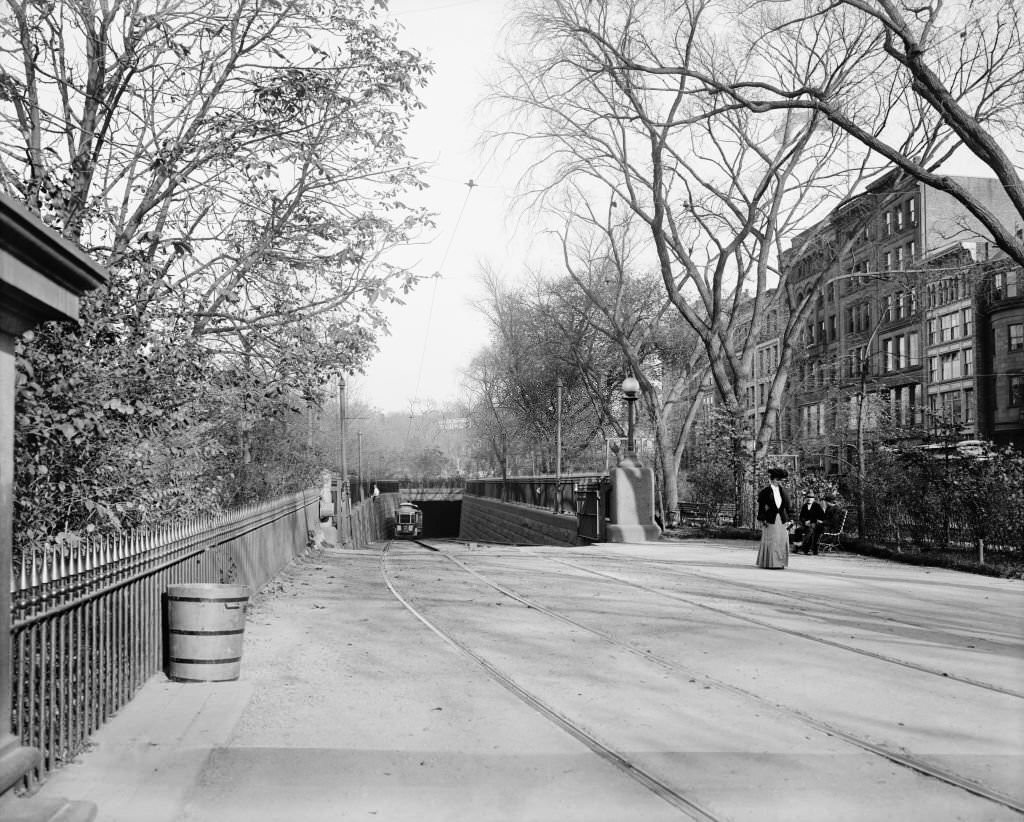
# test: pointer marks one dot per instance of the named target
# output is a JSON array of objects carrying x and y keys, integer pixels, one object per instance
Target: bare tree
[
  {"x": 914, "y": 84},
  {"x": 228, "y": 163},
  {"x": 514, "y": 381},
  {"x": 609, "y": 292},
  {"x": 239, "y": 169},
  {"x": 720, "y": 191}
]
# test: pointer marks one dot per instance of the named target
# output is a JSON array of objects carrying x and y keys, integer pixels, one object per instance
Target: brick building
[
  {"x": 1000, "y": 343},
  {"x": 914, "y": 333}
]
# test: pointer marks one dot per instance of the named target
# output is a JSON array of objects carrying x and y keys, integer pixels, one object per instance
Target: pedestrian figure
[
  {"x": 774, "y": 512},
  {"x": 812, "y": 519},
  {"x": 833, "y": 516}
]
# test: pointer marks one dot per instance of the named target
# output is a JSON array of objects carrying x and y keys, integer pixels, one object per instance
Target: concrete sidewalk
[{"x": 347, "y": 708}]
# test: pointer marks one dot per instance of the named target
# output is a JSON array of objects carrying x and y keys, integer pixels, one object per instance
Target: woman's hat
[{"x": 778, "y": 473}]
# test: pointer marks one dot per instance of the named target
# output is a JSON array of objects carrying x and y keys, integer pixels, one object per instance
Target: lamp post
[
  {"x": 631, "y": 391},
  {"x": 632, "y": 501}
]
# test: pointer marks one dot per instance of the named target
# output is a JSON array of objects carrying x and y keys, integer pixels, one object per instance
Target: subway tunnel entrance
[{"x": 441, "y": 518}]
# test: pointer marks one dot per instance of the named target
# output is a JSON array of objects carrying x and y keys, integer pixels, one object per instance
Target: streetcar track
[
  {"x": 605, "y": 752},
  {"x": 821, "y": 726},
  {"x": 988, "y": 686},
  {"x": 668, "y": 566},
  {"x": 672, "y": 567}
]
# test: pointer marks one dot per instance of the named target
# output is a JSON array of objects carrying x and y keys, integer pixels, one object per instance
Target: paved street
[{"x": 628, "y": 682}]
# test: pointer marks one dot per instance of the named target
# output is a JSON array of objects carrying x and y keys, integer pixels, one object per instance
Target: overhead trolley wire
[{"x": 470, "y": 185}]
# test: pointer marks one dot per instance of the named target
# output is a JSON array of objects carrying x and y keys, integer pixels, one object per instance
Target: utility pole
[
  {"x": 359, "y": 467},
  {"x": 343, "y": 492},
  {"x": 558, "y": 447}
]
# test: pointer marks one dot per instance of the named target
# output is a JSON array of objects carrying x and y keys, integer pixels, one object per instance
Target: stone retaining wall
[
  {"x": 373, "y": 519},
  {"x": 490, "y": 520}
]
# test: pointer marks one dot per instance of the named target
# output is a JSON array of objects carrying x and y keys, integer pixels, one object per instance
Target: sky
[{"x": 437, "y": 332}]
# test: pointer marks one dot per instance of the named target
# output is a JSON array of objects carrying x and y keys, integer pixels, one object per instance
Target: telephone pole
[{"x": 343, "y": 491}]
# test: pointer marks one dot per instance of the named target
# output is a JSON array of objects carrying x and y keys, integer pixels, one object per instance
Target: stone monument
[{"x": 631, "y": 512}]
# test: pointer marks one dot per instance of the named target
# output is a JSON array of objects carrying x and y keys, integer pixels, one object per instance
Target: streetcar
[{"x": 408, "y": 521}]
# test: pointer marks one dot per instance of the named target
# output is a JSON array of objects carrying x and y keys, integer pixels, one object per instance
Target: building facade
[
  {"x": 916, "y": 331},
  {"x": 1000, "y": 344}
]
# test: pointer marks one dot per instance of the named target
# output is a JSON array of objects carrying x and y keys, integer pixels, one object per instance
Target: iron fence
[
  {"x": 87, "y": 622},
  {"x": 944, "y": 528}
]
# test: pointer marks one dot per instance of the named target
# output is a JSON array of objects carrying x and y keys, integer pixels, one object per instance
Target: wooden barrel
[{"x": 205, "y": 626}]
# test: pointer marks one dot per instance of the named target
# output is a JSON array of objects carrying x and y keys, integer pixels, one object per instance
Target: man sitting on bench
[
  {"x": 833, "y": 522},
  {"x": 811, "y": 517}
]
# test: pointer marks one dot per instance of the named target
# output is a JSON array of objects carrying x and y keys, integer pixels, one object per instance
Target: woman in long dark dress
[{"x": 774, "y": 511}]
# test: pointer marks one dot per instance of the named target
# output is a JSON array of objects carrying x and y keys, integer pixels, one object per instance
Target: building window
[
  {"x": 911, "y": 250},
  {"x": 899, "y": 217},
  {"x": 1015, "y": 397},
  {"x": 1006, "y": 285},
  {"x": 888, "y": 261},
  {"x": 946, "y": 407},
  {"x": 1015, "y": 334},
  {"x": 949, "y": 327},
  {"x": 949, "y": 366},
  {"x": 914, "y": 348},
  {"x": 967, "y": 317},
  {"x": 888, "y": 224},
  {"x": 903, "y": 404},
  {"x": 901, "y": 351},
  {"x": 912, "y": 211},
  {"x": 862, "y": 314},
  {"x": 968, "y": 362},
  {"x": 856, "y": 357},
  {"x": 969, "y": 405},
  {"x": 947, "y": 290}
]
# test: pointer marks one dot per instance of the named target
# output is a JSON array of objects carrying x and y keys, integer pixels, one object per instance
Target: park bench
[
  {"x": 725, "y": 513},
  {"x": 830, "y": 539},
  {"x": 694, "y": 513},
  {"x": 706, "y": 514}
]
